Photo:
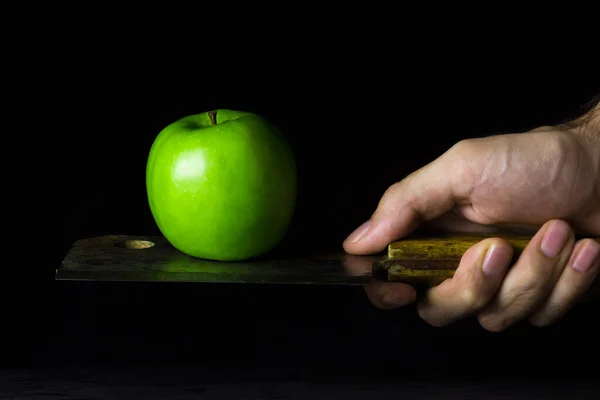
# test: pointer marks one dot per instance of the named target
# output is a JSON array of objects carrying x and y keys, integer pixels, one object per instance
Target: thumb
[{"x": 423, "y": 195}]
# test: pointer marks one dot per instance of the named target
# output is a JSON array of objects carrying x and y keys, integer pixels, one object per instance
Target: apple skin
[{"x": 222, "y": 185}]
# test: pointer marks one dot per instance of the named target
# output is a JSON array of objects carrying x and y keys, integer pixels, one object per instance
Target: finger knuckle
[
  {"x": 392, "y": 191},
  {"x": 549, "y": 313},
  {"x": 530, "y": 287},
  {"x": 464, "y": 146},
  {"x": 524, "y": 298},
  {"x": 435, "y": 319},
  {"x": 543, "y": 128},
  {"x": 540, "y": 321},
  {"x": 471, "y": 299},
  {"x": 493, "y": 322},
  {"x": 436, "y": 323},
  {"x": 523, "y": 303},
  {"x": 392, "y": 188}
]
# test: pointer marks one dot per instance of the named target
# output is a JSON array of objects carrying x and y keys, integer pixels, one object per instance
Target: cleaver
[{"x": 421, "y": 261}]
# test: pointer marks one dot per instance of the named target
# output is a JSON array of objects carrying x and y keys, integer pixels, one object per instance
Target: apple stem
[{"x": 212, "y": 115}]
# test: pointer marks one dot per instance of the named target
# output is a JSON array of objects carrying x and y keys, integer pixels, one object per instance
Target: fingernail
[
  {"x": 587, "y": 257},
  {"x": 555, "y": 238},
  {"x": 496, "y": 260},
  {"x": 359, "y": 233}
]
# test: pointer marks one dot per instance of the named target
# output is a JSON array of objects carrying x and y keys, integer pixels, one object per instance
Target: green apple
[{"x": 221, "y": 185}]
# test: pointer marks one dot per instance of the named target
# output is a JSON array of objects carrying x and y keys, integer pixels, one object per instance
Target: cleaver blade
[{"x": 421, "y": 261}]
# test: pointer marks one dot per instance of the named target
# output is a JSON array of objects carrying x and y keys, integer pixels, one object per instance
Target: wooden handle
[{"x": 428, "y": 261}]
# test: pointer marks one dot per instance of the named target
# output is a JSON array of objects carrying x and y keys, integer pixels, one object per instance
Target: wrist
[
  {"x": 587, "y": 130},
  {"x": 590, "y": 140}
]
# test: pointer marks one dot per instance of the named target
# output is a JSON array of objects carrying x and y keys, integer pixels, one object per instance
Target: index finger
[{"x": 423, "y": 195}]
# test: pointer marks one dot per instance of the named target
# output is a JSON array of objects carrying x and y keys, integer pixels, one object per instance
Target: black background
[{"x": 366, "y": 92}]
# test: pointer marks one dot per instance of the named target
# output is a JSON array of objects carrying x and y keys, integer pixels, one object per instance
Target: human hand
[{"x": 545, "y": 180}]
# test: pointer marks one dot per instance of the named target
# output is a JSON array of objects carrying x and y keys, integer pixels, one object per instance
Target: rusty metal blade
[
  {"x": 143, "y": 258},
  {"x": 419, "y": 261}
]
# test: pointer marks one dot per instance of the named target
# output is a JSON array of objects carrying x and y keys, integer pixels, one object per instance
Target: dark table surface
[
  {"x": 188, "y": 383},
  {"x": 130, "y": 341}
]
